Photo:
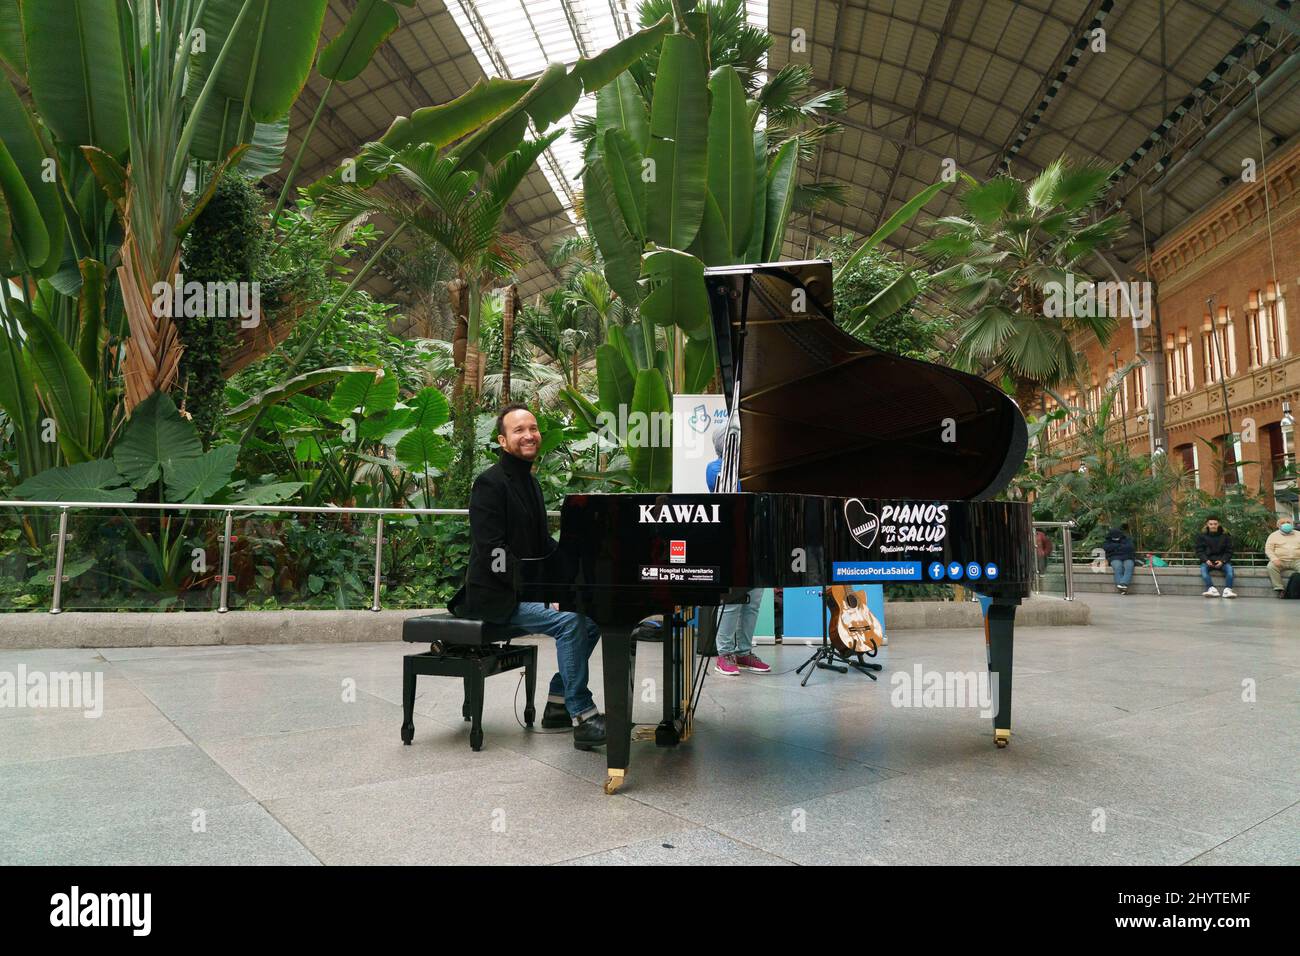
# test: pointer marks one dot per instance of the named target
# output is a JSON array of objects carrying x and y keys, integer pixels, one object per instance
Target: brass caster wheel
[
  {"x": 1001, "y": 738},
  {"x": 614, "y": 780}
]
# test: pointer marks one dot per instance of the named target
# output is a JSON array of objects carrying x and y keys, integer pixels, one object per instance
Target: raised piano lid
[{"x": 823, "y": 414}]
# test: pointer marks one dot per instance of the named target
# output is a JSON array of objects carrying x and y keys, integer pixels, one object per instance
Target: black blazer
[{"x": 505, "y": 512}]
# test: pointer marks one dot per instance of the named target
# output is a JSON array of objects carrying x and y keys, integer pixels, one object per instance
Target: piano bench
[{"x": 472, "y": 651}]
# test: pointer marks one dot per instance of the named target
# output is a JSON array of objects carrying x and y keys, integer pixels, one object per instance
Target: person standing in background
[{"x": 735, "y": 641}]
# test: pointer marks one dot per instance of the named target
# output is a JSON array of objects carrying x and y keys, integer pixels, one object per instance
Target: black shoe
[
  {"x": 589, "y": 733},
  {"x": 555, "y": 716}
]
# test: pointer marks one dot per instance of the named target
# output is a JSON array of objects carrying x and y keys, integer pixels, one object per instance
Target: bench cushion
[{"x": 457, "y": 631}]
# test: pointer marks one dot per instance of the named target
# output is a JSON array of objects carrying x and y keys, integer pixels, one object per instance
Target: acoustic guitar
[{"x": 853, "y": 628}]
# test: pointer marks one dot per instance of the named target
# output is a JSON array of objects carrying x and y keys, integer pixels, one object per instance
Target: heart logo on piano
[{"x": 863, "y": 525}]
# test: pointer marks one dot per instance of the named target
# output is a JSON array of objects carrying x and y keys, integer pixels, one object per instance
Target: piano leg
[
  {"x": 1001, "y": 630},
  {"x": 670, "y": 729},
  {"x": 618, "y": 651}
]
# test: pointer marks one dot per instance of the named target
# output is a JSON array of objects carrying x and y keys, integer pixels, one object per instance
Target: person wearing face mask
[
  {"x": 1214, "y": 551},
  {"x": 1283, "y": 550}
]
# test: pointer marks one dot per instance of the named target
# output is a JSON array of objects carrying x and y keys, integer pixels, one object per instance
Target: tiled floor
[{"x": 1166, "y": 732}]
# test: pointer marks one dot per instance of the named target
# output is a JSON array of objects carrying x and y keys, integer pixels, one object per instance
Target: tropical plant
[
  {"x": 248, "y": 61},
  {"x": 998, "y": 259},
  {"x": 860, "y": 279}
]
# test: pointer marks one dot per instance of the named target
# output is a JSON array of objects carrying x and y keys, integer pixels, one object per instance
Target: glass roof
[{"x": 518, "y": 38}]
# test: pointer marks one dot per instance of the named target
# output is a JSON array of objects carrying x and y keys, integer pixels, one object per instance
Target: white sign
[{"x": 694, "y": 419}]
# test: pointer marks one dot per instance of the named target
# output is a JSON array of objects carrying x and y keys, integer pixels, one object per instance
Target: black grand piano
[{"x": 856, "y": 466}]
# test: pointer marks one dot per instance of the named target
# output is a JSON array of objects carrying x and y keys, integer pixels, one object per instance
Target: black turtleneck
[{"x": 520, "y": 474}]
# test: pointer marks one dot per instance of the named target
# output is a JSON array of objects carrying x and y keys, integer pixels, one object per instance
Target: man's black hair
[
  {"x": 1209, "y": 518},
  {"x": 501, "y": 415}
]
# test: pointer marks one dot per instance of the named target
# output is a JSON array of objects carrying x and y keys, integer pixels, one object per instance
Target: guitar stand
[{"x": 828, "y": 658}]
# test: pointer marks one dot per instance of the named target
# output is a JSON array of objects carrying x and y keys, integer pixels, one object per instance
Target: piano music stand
[{"x": 827, "y": 657}]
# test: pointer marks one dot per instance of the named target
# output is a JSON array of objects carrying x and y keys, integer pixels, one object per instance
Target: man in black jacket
[
  {"x": 507, "y": 520},
  {"x": 1214, "y": 551},
  {"x": 1121, "y": 555}
]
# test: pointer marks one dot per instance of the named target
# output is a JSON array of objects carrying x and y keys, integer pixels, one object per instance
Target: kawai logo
[
  {"x": 863, "y": 525},
  {"x": 680, "y": 514}
]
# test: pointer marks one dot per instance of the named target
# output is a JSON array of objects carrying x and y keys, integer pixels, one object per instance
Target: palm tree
[
  {"x": 449, "y": 205},
  {"x": 999, "y": 258}
]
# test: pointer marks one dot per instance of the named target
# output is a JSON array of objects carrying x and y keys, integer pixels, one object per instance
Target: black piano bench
[{"x": 470, "y": 650}]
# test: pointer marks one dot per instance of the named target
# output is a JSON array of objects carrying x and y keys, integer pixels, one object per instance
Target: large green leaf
[
  {"x": 677, "y": 292},
  {"x": 370, "y": 391},
  {"x": 620, "y": 249},
  {"x": 155, "y": 437},
  {"x": 265, "y": 153},
  {"x": 595, "y": 71},
  {"x": 349, "y": 53},
  {"x": 64, "y": 386},
  {"x": 270, "y": 494},
  {"x": 679, "y": 129},
  {"x": 444, "y": 124},
  {"x": 753, "y": 252},
  {"x": 713, "y": 244},
  {"x": 299, "y": 383},
  {"x": 31, "y": 242},
  {"x": 700, "y": 365},
  {"x": 96, "y": 480},
  {"x": 75, "y": 71},
  {"x": 489, "y": 120},
  {"x": 20, "y": 137},
  {"x": 731, "y": 158},
  {"x": 615, "y": 380},
  {"x": 623, "y": 163},
  {"x": 904, "y": 213},
  {"x": 884, "y": 303},
  {"x": 270, "y": 57},
  {"x": 620, "y": 105},
  {"x": 12, "y": 52},
  {"x": 782, "y": 178},
  {"x": 421, "y": 450},
  {"x": 649, "y": 451},
  {"x": 429, "y": 409},
  {"x": 195, "y": 480}
]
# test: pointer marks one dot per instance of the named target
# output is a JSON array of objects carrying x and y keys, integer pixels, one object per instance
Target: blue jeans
[
  {"x": 1123, "y": 569},
  {"x": 1227, "y": 574},
  {"x": 736, "y": 629},
  {"x": 575, "y": 639}
]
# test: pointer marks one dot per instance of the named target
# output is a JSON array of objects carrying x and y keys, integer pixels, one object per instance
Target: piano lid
[{"x": 821, "y": 413}]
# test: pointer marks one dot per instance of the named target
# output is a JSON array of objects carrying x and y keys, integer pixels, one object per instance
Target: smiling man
[{"x": 507, "y": 519}]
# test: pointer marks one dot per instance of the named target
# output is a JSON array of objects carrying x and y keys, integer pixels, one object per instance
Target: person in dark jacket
[
  {"x": 1121, "y": 555},
  {"x": 1214, "y": 551},
  {"x": 507, "y": 520}
]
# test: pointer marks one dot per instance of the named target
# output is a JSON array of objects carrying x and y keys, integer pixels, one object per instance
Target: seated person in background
[
  {"x": 507, "y": 521},
  {"x": 735, "y": 640},
  {"x": 1283, "y": 550},
  {"x": 1121, "y": 555},
  {"x": 1214, "y": 551}
]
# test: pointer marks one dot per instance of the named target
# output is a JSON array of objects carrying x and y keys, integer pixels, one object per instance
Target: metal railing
[
  {"x": 228, "y": 537},
  {"x": 1067, "y": 551}
]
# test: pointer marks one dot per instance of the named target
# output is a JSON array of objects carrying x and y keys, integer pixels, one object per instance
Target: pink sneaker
[
  {"x": 751, "y": 662},
  {"x": 726, "y": 665}
]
